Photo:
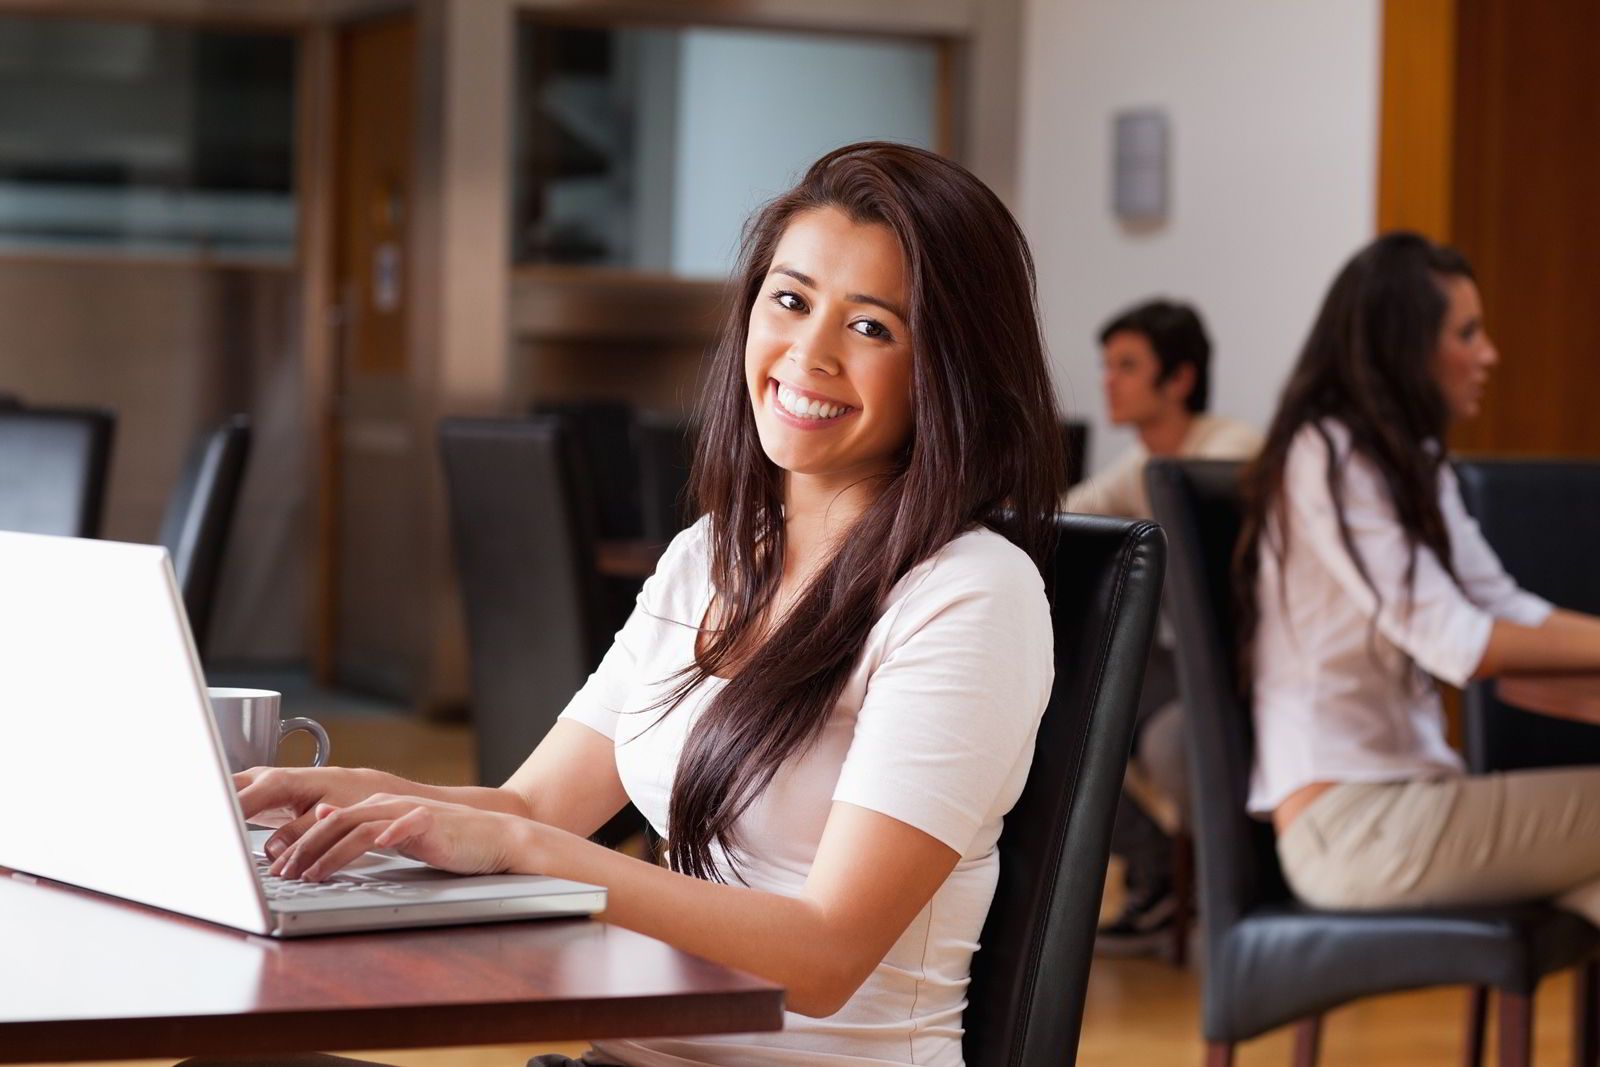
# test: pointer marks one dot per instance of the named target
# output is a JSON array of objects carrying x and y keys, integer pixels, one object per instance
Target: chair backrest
[
  {"x": 1198, "y": 502},
  {"x": 525, "y": 560},
  {"x": 199, "y": 516},
  {"x": 601, "y": 437},
  {"x": 1025, "y": 1004},
  {"x": 1539, "y": 516},
  {"x": 665, "y": 446},
  {"x": 1074, "y": 449},
  {"x": 53, "y": 467}
]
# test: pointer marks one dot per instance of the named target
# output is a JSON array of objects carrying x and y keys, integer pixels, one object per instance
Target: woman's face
[
  {"x": 828, "y": 358},
  {"x": 1464, "y": 354}
]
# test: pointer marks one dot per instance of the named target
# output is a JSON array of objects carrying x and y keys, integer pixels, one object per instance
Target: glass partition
[
  {"x": 146, "y": 137},
  {"x": 646, "y": 148}
]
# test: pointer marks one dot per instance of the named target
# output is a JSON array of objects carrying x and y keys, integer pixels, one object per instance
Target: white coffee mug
[{"x": 249, "y": 724}]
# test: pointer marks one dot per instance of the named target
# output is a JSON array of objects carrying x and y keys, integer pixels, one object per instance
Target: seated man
[{"x": 1157, "y": 380}]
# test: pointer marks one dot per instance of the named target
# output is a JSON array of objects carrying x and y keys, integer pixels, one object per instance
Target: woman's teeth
[{"x": 806, "y": 408}]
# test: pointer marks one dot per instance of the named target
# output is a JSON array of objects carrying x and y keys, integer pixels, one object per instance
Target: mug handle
[{"x": 318, "y": 734}]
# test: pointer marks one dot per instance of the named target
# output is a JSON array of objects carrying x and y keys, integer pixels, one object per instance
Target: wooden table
[
  {"x": 1566, "y": 696},
  {"x": 84, "y": 976}
]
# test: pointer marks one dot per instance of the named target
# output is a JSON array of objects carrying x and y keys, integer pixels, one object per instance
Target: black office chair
[
  {"x": 1029, "y": 978},
  {"x": 199, "y": 516},
  {"x": 1271, "y": 960},
  {"x": 53, "y": 467},
  {"x": 665, "y": 447}
]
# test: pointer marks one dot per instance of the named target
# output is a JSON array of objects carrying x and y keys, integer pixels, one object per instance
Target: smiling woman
[
  {"x": 830, "y": 379},
  {"x": 827, "y": 697}
]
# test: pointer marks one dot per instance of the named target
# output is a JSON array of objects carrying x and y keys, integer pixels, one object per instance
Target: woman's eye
[
  {"x": 873, "y": 329},
  {"x": 788, "y": 301}
]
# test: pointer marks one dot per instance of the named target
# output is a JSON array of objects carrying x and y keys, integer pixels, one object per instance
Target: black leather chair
[
  {"x": 607, "y": 466},
  {"x": 1270, "y": 960},
  {"x": 665, "y": 446},
  {"x": 1542, "y": 518},
  {"x": 1538, "y": 516},
  {"x": 525, "y": 558},
  {"x": 1025, "y": 1004},
  {"x": 199, "y": 516},
  {"x": 1074, "y": 449},
  {"x": 53, "y": 467}
]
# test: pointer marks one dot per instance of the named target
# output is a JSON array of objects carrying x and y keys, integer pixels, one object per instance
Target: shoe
[{"x": 1145, "y": 926}]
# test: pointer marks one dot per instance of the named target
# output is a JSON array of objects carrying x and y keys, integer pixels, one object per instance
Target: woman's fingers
[
  {"x": 351, "y": 846},
  {"x": 288, "y": 834},
  {"x": 263, "y": 789},
  {"x": 413, "y": 823},
  {"x": 329, "y": 827}
]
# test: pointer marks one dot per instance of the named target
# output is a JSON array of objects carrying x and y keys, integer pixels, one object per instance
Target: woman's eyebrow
[{"x": 854, "y": 298}]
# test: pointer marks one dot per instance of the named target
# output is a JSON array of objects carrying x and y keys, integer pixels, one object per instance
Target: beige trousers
[{"x": 1483, "y": 839}]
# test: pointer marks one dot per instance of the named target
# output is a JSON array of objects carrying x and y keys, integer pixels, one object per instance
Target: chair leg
[
  {"x": 1183, "y": 894},
  {"x": 1477, "y": 1018},
  {"x": 1219, "y": 1054},
  {"x": 1516, "y": 1029},
  {"x": 1307, "y": 1041},
  {"x": 1586, "y": 1016}
]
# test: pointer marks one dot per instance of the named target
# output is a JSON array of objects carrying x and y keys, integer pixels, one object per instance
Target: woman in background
[
  {"x": 1362, "y": 579},
  {"x": 827, "y": 696}
]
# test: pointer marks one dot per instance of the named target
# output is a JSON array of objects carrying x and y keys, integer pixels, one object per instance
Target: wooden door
[{"x": 374, "y": 614}]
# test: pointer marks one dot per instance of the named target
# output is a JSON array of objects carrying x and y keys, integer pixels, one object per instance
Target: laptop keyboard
[{"x": 289, "y": 888}]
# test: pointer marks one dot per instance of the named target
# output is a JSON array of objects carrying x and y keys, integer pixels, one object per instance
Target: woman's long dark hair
[
  {"x": 984, "y": 449},
  {"x": 1366, "y": 365}
]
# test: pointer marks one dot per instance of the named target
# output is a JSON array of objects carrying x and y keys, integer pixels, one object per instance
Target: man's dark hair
[{"x": 1177, "y": 336}]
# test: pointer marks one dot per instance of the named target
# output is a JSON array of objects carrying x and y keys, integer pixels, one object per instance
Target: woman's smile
[{"x": 804, "y": 409}]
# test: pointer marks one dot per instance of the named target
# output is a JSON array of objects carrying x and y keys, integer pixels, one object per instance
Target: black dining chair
[
  {"x": 1539, "y": 516},
  {"x": 538, "y": 618},
  {"x": 53, "y": 469},
  {"x": 1542, "y": 518},
  {"x": 601, "y": 436},
  {"x": 1074, "y": 449},
  {"x": 1269, "y": 959},
  {"x": 524, "y": 555},
  {"x": 1029, "y": 978},
  {"x": 199, "y": 517},
  {"x": 664, "y": 443}
]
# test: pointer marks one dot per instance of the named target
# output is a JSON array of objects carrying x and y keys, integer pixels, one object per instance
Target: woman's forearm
[
  {"x": 787, "y": 940},
  {"x": 1566, "y": 641},
  {"x": 484, "y": 798}
]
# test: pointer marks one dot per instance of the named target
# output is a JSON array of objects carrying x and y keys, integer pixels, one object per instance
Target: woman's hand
[
  {"x": 451, "y": 837},
  {"x": 287, "y": 797}
]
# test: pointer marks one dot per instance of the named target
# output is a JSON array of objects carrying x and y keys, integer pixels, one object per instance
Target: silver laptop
[{"x": 112, "y": 776}]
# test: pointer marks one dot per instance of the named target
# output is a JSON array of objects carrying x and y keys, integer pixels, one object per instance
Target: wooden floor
[{"x": 1140, "y": 1013}]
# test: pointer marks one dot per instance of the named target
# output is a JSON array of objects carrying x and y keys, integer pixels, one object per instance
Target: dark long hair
[
  {"x": 1366, "y": 365},
  {"x": 984, "y": 449}
]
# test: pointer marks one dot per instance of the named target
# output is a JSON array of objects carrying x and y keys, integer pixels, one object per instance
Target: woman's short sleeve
[{"x": 945, "y": 734}]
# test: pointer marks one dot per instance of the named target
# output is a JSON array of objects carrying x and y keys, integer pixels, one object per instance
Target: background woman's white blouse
[
  {"x": 1335, "y": 698},
  {"x": 935, "y": 727}
]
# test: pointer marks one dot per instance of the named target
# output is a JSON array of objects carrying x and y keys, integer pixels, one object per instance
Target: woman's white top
[
  {"x": 935, "y": 727},
  {"x": 1334, "y": 699}
]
